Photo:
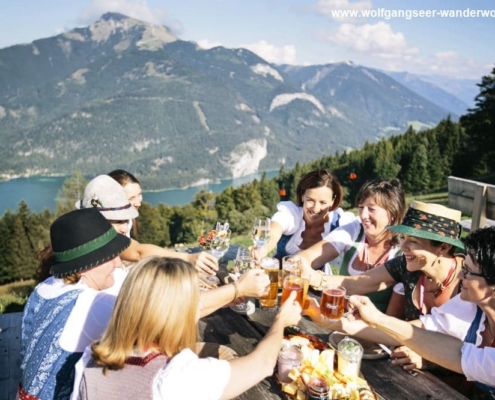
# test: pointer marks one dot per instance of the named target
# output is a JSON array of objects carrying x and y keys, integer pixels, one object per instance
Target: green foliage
[{"x": 72, "y": 191}]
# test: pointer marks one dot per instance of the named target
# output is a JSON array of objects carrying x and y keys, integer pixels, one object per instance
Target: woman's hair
[
  {"x": 480, "y": 246},
  {"x": 47, "y": 259},
  {"x": 157, "y": 309},
  {"x": 320, "y": 178},
  {"x": 388, "y": 194},
  {"x": 437, "y": 243},
  {"x": 123, "y": 177}
]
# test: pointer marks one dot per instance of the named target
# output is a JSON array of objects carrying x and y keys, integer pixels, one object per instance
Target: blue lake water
[{"x": 41, "y": 192}]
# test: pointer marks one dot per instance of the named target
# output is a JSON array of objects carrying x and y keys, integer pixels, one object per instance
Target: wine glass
[
  {"x": 261, "y": 231},
  {"x": 243, "y": 263},
  {"x": 220, "y": 243}
]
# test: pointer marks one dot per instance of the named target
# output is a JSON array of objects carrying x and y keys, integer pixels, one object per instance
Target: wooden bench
[{"x": 473, "y": 198}]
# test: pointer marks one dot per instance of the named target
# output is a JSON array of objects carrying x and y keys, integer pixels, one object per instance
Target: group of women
[{"x": 410, "y": 263}]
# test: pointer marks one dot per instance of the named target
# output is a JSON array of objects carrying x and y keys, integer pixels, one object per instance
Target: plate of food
[
  {"x": 371, "y": 350},
  {"x": 318, "y": 360}
]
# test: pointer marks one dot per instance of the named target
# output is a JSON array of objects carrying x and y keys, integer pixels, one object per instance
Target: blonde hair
[{"x": 157, "y": 309}]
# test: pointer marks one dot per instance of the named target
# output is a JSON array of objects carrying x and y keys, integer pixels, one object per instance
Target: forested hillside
[{"x": 421, "y": 160}]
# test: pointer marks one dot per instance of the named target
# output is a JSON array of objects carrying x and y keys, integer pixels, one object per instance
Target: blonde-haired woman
[{"x": 146, "y": 351}]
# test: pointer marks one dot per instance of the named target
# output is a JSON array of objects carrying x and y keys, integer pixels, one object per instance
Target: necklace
[
  {"x": 380, "y": 260},
  {"x": 487, "y": 325}
]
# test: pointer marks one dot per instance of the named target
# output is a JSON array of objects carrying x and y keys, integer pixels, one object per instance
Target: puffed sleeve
[
  {"x": 288, "y": 216},
  {"x": 477, "y": 363},
  {"x": 189, "y": 377},
  {"x": 453, "y": 318}
]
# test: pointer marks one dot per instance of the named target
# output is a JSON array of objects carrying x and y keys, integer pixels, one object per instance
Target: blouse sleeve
[
  {"x": 478, "y": 363},
  {"x": 288, "y": 216},
  {"x": 394, "y": 268},
  {"x": 187, "y": 376},
  {"x": 343, "y": 237},
  {"x": 453, "y": 318}
]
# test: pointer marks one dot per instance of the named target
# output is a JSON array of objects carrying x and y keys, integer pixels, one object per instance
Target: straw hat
[
  {"x": 109, "y": 197},
  {"x": 82, "y": 239},
  {"x": 431, "y": 221}
]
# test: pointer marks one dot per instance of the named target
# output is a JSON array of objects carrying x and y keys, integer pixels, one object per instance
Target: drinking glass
[
  {"x": 243, "y": 262},
  {"x": 271, "y": 267},
  {"x": 291, "y": 265},
  {"x": 332, "y": 305},
  {"x": 261, "y": 231},
  {"x": 293, "y": 283},
  {"x": 220, "y": 243}
]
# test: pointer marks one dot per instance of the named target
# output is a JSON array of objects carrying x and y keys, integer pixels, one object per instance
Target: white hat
[{"x": 109, "y": 197}]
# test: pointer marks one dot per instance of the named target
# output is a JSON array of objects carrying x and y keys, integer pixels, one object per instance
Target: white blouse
[
  {"x": 454, "y": 318},
  {"x": 290, "y": 217}
]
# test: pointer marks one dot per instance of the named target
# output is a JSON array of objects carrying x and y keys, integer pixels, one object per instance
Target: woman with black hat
[{"x": 69, "y": 310}]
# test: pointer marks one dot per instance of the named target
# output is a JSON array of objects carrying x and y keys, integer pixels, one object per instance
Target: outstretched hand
[
  {"x": 290, "y": 311},
  {"x": 204, "y": 262},
  {"x": 253, "y": 283},
  {"x": 367, "y": 310}
]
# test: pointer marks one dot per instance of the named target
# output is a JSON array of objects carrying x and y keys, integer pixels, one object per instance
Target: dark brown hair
[
  {"x": 320, "y": 178},
  {"x": 124, "y": 178}
]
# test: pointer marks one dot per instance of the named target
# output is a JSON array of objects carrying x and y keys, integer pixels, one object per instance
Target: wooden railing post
[{"x": 479, "y": 207}]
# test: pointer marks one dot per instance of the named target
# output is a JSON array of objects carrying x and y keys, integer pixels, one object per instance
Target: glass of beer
[
  {"x": 290, "y": 265},
  {"x": 293, "y": 283},
  {"x": 271, "y": 267},
  {"x": 332, "y": 305}
]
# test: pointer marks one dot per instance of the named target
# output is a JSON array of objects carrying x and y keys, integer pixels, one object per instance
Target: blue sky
[{"x": 292, "y": 31}]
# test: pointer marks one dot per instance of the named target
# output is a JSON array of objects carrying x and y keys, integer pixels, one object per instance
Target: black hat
[{"x": 82, "y": 239}]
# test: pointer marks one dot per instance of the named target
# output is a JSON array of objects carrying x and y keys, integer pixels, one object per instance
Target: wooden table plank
[
  {"x": 10, "y": 354},
  {"x": 233, "y": 330},
  {"x": 389, "y": 381}
]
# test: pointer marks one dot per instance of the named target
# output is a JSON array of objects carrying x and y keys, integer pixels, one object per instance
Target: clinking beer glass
[
  {"x": 271, "y": 268},
  {"x": 332, "y": 305}
]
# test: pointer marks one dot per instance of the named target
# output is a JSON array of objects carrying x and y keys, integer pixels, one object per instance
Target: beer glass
[
  {"x": 332, "y": 305},
  {"x": 271, "y": 267}
]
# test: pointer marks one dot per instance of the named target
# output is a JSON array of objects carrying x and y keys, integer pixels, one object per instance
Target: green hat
[{"x": 431, "y": 221}]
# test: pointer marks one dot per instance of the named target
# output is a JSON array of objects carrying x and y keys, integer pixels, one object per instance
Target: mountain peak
[{"x": 113, "y": 16}]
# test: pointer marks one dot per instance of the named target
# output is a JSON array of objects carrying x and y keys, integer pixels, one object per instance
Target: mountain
[
  {"x": 464, "y": 89},
  {"x": 125, "y": 93},
  {"x": 431, "y": 91}
]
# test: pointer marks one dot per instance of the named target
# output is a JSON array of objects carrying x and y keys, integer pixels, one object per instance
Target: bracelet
[
  {"x": 323, "y": 281},
  {"x": 236, "y": 294}
]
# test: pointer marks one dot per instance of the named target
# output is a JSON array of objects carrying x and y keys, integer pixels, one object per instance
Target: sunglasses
[{"x": 467, "y": 272}]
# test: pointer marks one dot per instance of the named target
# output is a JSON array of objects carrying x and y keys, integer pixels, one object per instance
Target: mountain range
[{"x": 123, "y": 93}]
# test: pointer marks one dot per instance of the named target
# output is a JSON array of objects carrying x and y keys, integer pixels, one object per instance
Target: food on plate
[{"x": 318, "y": 361}]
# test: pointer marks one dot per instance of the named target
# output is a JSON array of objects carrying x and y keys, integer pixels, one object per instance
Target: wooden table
[{"x": 241, "y": 333}]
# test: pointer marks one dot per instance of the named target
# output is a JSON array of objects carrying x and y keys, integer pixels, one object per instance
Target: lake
[{"x": 41, "y": 192}]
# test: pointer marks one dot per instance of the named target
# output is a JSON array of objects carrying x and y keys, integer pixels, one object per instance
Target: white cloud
[
  {"x": 206, "y": 44},
  {"x": 138, "y": 9},
  {"x": 272, "y": 53},
  {"x": 328, "y": 8},
  {"x": 378, "y": 39}
]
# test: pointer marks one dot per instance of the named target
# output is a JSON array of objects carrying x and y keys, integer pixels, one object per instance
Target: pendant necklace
[{"x": 379, "y": 261}]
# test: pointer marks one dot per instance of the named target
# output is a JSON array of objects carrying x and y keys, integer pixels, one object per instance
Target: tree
[
  {"x": 72, "y": 191},
  {"x": 477, "y": 156}
]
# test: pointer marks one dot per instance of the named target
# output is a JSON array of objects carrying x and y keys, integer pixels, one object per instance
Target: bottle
[{"x": 317, "y": 389}]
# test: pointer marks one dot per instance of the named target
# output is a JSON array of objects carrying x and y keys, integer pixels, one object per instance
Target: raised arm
[
  {"x": 249, "y": 370},
  {"x": 203, "y": 262},
  {"x": 253, "y": 283},
  {"x": 319, "y": 254},
  {"x": 442, "y": 349}
]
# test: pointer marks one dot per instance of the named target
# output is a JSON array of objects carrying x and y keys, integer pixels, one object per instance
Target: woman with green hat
[{"x": 429, "y": 266}]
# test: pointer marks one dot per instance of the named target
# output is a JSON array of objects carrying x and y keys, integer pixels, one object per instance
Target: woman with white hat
[
  {"x": 71, "y": 309},
  {"x": 109, "y": 197}
]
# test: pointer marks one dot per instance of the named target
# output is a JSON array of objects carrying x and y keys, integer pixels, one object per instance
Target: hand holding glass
[{"x": 243, "y": 262}]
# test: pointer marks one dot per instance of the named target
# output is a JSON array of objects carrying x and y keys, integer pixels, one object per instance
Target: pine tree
[{"x": 72, "y": 191}]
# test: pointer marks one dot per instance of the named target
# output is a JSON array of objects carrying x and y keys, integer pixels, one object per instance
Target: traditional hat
[
  {"x": 109, "y": 197},
  {"x": 82, "y": 239},
  {"x": 431, "y": 221}
]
